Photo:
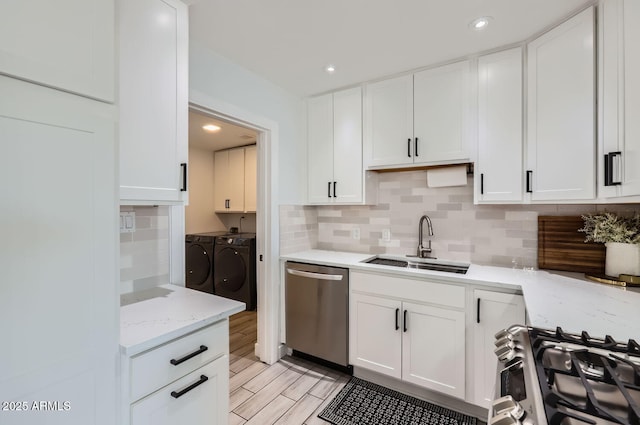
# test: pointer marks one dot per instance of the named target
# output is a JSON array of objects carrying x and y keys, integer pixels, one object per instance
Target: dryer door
[
  {"x": 230, "y": 271},
  {"x": 198, "y": 268}
]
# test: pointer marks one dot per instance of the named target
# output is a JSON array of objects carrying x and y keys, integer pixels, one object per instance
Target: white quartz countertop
[
  {"x": 158, "y": 315},
  {"x": 552, "y": 299}
]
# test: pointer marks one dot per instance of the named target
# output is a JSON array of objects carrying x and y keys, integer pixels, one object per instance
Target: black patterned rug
[{"x": 361, "y": 403}]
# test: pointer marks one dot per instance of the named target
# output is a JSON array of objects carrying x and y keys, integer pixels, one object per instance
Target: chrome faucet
[{"x": 422, "y": 251}]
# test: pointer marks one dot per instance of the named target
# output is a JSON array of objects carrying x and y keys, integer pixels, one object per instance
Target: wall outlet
[
  {"x": 355, "y": 233},
  {"x": 386, "y": 235},
  {"x": 127, "y": 222}
]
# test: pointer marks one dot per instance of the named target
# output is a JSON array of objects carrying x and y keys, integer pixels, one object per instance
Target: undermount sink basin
[{"x": 422, "y": 264}]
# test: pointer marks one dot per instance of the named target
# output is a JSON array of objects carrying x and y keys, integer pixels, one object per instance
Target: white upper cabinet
[
  {"x": 561, "y": 112},
  {"x": 250, "y": 178},
  {"x": 335, "y": 173},
  {"x": 67, "y": 44},
  {"x": 440, "y": 114},
  {"x": 228, "y": 179},
  {"x": 619, "y": 106},
  {"x": 418, "y": 119},
  {"x": 499, "y": 168},
  {"x": 153, "y": 100}
]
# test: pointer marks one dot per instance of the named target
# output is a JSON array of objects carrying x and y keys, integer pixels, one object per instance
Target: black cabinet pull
[
  {"x": 416, "y": 149},
  {"x": 608, "y": 169},
  {"x": 409, "y": 148},
  {"x": 201, "y": 350},
  {"x": 178, "y": 394},
  {"x": 404, "y": 321},
  {"x": 184, "y": 177},
  {"x": 481, "y": 183},
  {"x": 529, "y": 175},
  {"x": 397, "y": 317},
  {"x": 334, "y": 189},
  {"x": 328, "y": 189},
  {"x": 478, "y": 312}
]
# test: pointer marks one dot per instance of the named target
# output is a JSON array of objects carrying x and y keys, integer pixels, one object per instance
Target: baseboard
[{"x": 422, "y": 393}]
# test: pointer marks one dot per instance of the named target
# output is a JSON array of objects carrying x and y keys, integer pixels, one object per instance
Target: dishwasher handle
[{"x": 312, "y": 275}]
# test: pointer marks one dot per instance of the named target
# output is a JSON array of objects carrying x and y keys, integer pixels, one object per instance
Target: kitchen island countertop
[
  {"x": 158, "y": 315},
  {"x": 552, "y": 298}
]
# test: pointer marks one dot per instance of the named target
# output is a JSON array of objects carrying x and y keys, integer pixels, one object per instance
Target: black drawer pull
[
  {"x": 404, "y": 324},
  {"x": 178, "y": 394},
  {"x": 334, "y": 189},
  {"x": 608, "y": 169},
  {"x": 481, "y": 183},
  {"x": 529, "y": 175},
  {"x": 202, "y": 349},
  {"x": 409, "y": 148},
  {"x": 478, "y": 312},
  {"x": 416, "y": 150},
  {"x": 184, "y": 177},
  {"x": 397, "y": 315}
]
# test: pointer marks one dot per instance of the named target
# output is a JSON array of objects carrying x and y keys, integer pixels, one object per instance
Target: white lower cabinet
[
  {"x": 198, "y": 398},
  {"x": 183, "y": 381},
  {"x": 494, "y": 311},
  {"x": 396, "y": 330}
]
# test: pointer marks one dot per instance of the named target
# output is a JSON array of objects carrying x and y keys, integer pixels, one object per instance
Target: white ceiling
[
  {"x": 289, "y": 42},
  {"x": 229, "y": 136}
]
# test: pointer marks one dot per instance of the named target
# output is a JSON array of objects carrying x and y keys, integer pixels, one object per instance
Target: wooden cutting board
[{"x": 562, "y": 247}]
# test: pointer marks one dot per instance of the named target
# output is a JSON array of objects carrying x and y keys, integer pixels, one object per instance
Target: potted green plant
[{"x": 621, "y": 237}]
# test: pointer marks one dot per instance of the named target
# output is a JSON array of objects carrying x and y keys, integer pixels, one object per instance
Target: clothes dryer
[{"x": 234, "y": 267}]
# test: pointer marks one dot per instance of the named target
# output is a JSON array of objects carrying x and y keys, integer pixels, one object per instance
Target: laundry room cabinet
[
  {"x": 418, "y": 119},
  {"x": 619, "y": 107},
  {"x": 411, "y": 330},
  {"x": 561, "y": 113},
  {"x": 153, "y": 101},
  {"x": 228, "y": 179}
]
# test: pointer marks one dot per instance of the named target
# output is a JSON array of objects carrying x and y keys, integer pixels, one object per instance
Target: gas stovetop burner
[{"x": 585, "y": 379}]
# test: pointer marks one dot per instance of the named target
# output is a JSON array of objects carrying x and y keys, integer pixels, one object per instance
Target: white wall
[
  {"x": 223, "y": 80},
  {"x": 199, "y": 215}
]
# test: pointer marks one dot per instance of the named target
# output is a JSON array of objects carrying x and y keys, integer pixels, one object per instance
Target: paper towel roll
[{"x": 447, "y": 176}]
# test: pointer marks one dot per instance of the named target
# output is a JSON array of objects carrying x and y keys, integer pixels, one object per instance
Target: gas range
[{"x": 557, "y": 378}]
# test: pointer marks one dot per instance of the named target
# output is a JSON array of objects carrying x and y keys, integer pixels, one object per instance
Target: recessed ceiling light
[
  {"x": 480, "y": 23},
  {"x": 211, "y": 128},
  {"x": 330, "y": 69}
]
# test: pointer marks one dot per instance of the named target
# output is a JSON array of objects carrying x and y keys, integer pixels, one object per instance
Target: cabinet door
[
  {"x": 250, "y": 178},
  {"x": 499, "y": 173},
  {"x": 206, "y": 404},
  {"x": 221, "y": 177},
  {"x": 236, "y": 180},
  {"x": 63, "y": 44},
  {"x": 375, "y": 334},
  {"x": 631, "y": 147},
  {"x": 496, "y": 311},
  {"x": 347, "y": 145},
  {"x": 153, "y": 82},
  {"x": 561, "y": 111},
  {"x": 440, "y": 114},
  {"x": 433, "y": 348},
  {"x": 58, "y": 255},
  {"x": 320, "y": 149},
  {"x": 388, "y": 122}
]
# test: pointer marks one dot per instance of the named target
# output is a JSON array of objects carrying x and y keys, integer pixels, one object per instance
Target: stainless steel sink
[{"x": 422, "y": 264}]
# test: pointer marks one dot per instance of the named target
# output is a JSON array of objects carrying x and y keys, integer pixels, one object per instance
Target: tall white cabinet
[
  {"x": 335, "y": 173},
  {"x": 59, "y": 297},
  {"x": 153, "y": 101},
  {"x": 619, "y": 106},
  {"x": 498, "y": 171},
  {"x": 561, "y": 112}
]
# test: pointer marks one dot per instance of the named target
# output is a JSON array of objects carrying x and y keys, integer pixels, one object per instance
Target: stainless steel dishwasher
[{"x": 317, "y": 311}]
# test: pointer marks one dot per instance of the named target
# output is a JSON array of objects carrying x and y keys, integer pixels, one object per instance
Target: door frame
[{"x": 267, "y": 220}]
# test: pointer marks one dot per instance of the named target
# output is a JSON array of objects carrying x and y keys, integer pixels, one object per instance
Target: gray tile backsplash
[{"x": 504, "y": 235}]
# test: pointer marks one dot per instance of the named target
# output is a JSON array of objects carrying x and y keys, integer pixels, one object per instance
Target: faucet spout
[{"x": 422, "y": 251}]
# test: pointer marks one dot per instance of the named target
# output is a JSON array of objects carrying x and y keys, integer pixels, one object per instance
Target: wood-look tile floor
[{"x": 292, "y": 391}]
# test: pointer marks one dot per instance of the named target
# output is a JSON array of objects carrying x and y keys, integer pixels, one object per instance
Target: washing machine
[
  {"x": 199, "y": 260},
  {"x": 234, "y": 267}
]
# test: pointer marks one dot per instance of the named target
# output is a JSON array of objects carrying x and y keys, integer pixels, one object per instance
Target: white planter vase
[{"x": 622, "y": 258}]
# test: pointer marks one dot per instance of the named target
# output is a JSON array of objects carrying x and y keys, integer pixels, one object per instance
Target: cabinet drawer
[
  {"x": 449, "y": 295},
  {"x": 153, "y": 369},
  {"x": 200, "y": 398}
]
